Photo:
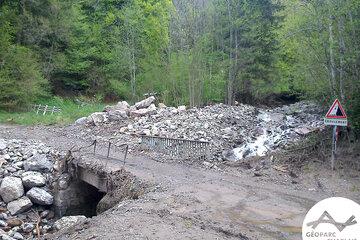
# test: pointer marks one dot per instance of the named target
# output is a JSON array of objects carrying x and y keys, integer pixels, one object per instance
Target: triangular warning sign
[{"x": 336, "y": 111}]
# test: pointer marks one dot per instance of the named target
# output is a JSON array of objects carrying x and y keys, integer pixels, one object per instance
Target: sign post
[{"x": 336, "y": 117}]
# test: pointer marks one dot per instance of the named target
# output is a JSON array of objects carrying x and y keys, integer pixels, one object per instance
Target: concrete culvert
[
  {"x": 123, "y": 186},
  {"x": 90, "y": 191}
]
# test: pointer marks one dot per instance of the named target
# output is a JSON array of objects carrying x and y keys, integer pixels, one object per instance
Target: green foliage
[
  {"x": 70, "y": 112},
  {"x": 20, "y": 78},
  {"x": 189, "y": 52}
]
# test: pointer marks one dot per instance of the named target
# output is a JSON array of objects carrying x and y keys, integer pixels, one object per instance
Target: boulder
[
  {"x": 144, "y": 111},
  {"x": 19, "y": 206},
  {"x": 3, "y": 223},
  {"x": 117, "y": 115},
  {"x": 14, "y": 222},
  {"x": 18, "y": 236},
  {"x": 81, "y": 121},
  {"x": 98, "y": 118},
  {"x": 27, "y": 227},
  {"x": 229, "y": 155},
  {"x": 6, "y": 237},
  {"x": 303, "y": 131},
  {"x": 3, "y": 145},
  {"x": 11, "y": 188},
  {"x": 145, "y": 103},
  {"x": 69, "y": 221},
  {"x": 181, "y": 108},
  {"x": 38, "y": 162},
  {"x": 122, "y": 106},
  {"x": 40, "y": 196},
  {"x": 162, "y": 105},
  {"x": 33, "y": 179}
]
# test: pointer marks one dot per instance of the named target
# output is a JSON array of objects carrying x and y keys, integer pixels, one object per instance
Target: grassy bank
[{"x": 70, "y": 111}]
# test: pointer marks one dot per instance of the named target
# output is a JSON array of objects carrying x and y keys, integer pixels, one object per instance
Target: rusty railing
[{"x": 177, "y": 147}]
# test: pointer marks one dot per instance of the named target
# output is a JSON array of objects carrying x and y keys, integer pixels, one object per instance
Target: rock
[
  {"x": 19, "y": 206},
  {"x": 145, "y": 103},
  {"x": 64, "y": 181},
  {"x": 69, "y": 221},
  {"x": 181, "y": 108},
  {"x": 14, "y": 222},
  {"x": 117, "y": 115},
  {"x": 38, "y": 162},
  {"x": 98, "y": 118},
  {"x": 40, "y": 196},
  {"x": 27, "y": 227},
  {"x": 3, "y": 223},
  {"x": 144, "y": 111},
  {"x": 162, "y": 105},
  {"x": 303, "y": 131},
  {"x": 19, "y": 165},
  {"x": 18, "y": 236},
  {"x": 6, "y": 237},
  {"x": 44, "y": 214},
  {"x": 81, "y": 121},
  {"x": 122, "y": 106},
  {"x": 3, "y": 216},
  {"x": 277, "y": 117},
  {"x": 33, "y": 179},
  {"x": 229, "y": 155},
  {"x": 3, "y": 145},
  {"x": 11, "y": 188}
]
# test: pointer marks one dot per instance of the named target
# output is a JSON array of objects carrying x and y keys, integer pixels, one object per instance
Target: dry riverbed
[{"x": 259, "y": 200}]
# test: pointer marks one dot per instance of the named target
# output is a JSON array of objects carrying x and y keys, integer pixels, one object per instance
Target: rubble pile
[
  {"x": 235, "y": 132},
  {"x": 27, "y": 173}
]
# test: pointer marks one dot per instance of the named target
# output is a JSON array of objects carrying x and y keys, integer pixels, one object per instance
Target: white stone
[
  {"x": 19, "y": 206},
  {"x": 11, "y": 188},
  {"x": 3, "y": 145},
  {"x": 33, "y": 179},
  {"x": 38, "y": 162},
  {"x": 117, "y": 115},
  {"x": 181, "y": 108},
  {"x": 145, "y": 103},
  {"x": 162, "y": 105},
  {"x": 98, "y": 118},
  {"x": 123, "y": 106},
  {"x": 81, "y": 121},
  {"x": 144, "y": 111},
  {"x": 69, "y": 221},
  {"x": 18, "y": 236},
  {"x": 40, "y": 196}
]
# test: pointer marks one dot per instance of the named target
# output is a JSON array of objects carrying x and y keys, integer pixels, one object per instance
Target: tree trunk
[
  {"x": 342, "y": 50},
  {"x": 332, "y": 59},
  {"x": 230, "y": 85}
]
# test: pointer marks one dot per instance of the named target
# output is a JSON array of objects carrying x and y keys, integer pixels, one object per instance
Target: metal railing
[
  {"x": 177, "y": 147},
  {"x": 96, "y": 149}
]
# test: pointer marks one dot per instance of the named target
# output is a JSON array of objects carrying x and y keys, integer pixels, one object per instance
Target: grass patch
[{"x": 70, "y": 112}]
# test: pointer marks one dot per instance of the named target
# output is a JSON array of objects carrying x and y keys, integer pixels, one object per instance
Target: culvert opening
[{"x": 89, "y": 198}]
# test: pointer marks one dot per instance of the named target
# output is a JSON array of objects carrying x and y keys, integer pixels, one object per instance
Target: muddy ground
[{"x": 188, "y": 201}]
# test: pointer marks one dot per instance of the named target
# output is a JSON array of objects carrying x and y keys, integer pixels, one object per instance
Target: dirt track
[{"x": 196, "y": 203}]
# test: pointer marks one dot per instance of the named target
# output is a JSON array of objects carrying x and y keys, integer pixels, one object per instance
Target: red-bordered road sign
[
  {"x": 336, "y": 115},
  {"x": 336, "y": 111}
]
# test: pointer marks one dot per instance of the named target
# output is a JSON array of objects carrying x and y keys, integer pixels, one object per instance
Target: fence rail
[
  {"x": 43, "y": 109},
  {"x": 104, "y": 149},
  {"x": 177, "y": 147}
]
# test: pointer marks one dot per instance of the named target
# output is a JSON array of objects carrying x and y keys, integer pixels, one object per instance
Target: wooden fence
[{"x": 43, "y": 109}]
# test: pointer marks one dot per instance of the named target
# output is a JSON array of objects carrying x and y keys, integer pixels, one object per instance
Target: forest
[{"x": 192, "y": 52}]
